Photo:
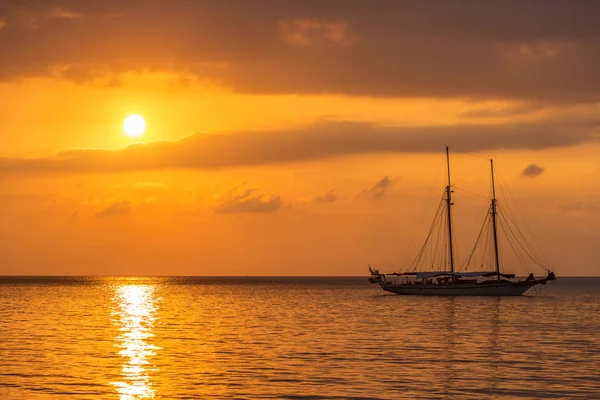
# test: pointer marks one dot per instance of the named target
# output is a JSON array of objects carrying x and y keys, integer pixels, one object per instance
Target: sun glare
[{"x": 134, "y": 125}]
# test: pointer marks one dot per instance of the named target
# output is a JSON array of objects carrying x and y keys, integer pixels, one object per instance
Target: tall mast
[
  {"x": 494, "y": 221},
  {"x": 448, "y": 204}
]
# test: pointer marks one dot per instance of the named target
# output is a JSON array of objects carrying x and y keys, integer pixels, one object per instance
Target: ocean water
[{"x": 292, "y": 338}]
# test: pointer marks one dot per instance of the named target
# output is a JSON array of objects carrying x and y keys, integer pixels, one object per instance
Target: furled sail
[{"x": 427, "y": 275}]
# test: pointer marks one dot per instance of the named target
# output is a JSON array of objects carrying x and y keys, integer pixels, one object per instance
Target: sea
[{"x": 292, "y": 338}]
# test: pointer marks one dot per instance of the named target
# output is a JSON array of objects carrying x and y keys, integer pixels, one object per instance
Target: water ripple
[{"x": 317, "y": 338}]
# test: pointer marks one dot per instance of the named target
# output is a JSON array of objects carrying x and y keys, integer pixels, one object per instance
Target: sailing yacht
[{"x": 451, "y": 281}]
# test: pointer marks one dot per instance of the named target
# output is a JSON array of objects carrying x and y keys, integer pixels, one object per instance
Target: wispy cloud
[
  {"x": 248, "y": 201},
  {"x": 329, "y": 197},
  {"x": 506, "y": 111},
  {"x": 383, "y": 186},
  {"x": 118, "y": 208},
  {"x": 62, "y": 13},
  {"x": 313, "y": 32}
]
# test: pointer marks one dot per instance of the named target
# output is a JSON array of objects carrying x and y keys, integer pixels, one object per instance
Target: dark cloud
[
  {"x": 329, "y": 197},
  {"x": 382, "y": 187},
  {"x": 248, "y": 201},
  {"x": 532, "y": 171},
  {"x": 469, "y": 48},
  {"x": 325, "y": 139},
  {"x": 119, "y": 208}
]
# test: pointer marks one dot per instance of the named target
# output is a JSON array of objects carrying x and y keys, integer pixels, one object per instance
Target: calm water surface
[{"x": 292, "y": 338}]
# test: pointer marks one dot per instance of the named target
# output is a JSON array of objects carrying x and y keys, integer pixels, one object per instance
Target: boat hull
[{"x": 503, "y": 289}]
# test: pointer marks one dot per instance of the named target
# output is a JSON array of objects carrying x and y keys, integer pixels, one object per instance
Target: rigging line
[
  {"x": 433, "y": 249},
  {"x": 438, "y": 243},
  {"x": 518, "y": 255},
  {"x": 543, "y": 256},
  {"x": 443, "y": 245},
  {"x": 471, "y": 154},
  {"x": 500, "y": 260},
  {"x": 472, "y": 172},
  {"x": 474, "y": 194},
  {"x": 479, "y": 237},
  {"x": 478, "y": 250},
  {"x": 538, "y": 252},
  {"x": 512, "y": 247},
  {"x": 488, "y": 241},
  {"x": 444, "y": 256},
  {"x": 424, "y": 252},
  {"x": 538, "y": 259},
  {"x": 531, "y": 248},
  {"x": 455, "y": 243},
  {"x": 521, "y": 244},
  {"x": 477, "y": 241},
  {"x": 427, "y": 203},
  {"x": 510, "y": 216},
  {"x": 490, "y": 252},
  {"x": 513, "y": 220},
  {"x": 511, "y": 236},
  {"x": 431, "y": 229},
  {"x": 435, "y": 254}
]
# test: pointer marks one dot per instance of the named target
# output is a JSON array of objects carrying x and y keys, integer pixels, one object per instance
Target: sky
[{"x": 292, "y": 137}]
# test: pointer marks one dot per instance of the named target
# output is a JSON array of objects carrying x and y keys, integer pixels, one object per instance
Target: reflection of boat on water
[{"x": 438, "y": 252}]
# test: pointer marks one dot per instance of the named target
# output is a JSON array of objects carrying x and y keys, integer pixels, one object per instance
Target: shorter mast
[
  {"x": 448, "y": 204},
  {"x": 494, "y": 222}
]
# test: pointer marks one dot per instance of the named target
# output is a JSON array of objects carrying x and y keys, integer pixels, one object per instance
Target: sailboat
[{"x": 450, "y": 281}]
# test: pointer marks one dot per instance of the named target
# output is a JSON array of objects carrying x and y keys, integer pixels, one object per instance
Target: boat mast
[
  {"x": 494, "y": 221},
  {"x": 448, "y": 204}
]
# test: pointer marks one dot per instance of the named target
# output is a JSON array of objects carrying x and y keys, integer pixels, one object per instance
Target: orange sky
[{"x": 272, "y": 126}]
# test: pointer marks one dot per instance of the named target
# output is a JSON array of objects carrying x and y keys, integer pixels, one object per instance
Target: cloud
[
  {"x": 382, "y": 48},
  {"x": 317, "y": 141},
  {"x": 248, "y": 201},
  {"x": 532, "y": 171},
  {"x": 329, "y": 197},
  {"x": 383, "y": 186},
  {"x": 62, "y": 13},
  {"x": 507, "y": 111},
  {"x": 119, "y": 208},
  {"x": 307, "y": 32}
]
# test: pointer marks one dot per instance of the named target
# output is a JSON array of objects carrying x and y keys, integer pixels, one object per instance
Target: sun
[{"x": 134, "y": 125}]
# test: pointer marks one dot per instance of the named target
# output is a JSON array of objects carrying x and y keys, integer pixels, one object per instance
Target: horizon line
[{"x": 223, "y": 276}]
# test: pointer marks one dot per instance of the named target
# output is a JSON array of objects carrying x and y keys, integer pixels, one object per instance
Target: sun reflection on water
[{"x": 135, "y": 312}]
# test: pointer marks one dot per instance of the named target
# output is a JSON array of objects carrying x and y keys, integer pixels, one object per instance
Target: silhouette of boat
[{"x": 450, "y": 282}]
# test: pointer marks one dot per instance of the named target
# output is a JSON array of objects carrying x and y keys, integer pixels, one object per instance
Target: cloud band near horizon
[{"x": 312, "y": 142}]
